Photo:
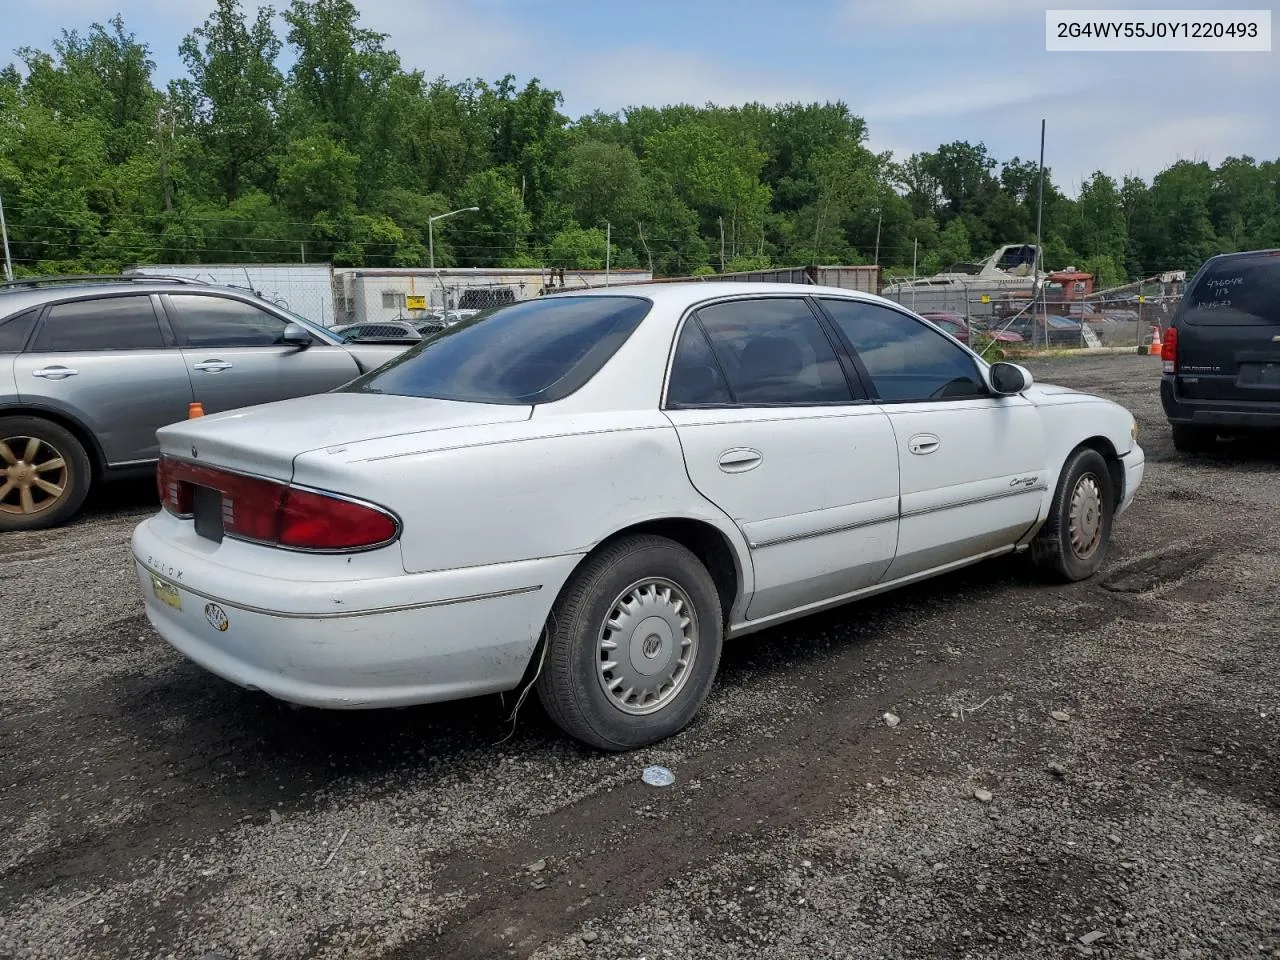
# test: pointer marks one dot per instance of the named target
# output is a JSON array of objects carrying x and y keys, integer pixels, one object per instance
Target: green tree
[{"x": 232, "y": 93}]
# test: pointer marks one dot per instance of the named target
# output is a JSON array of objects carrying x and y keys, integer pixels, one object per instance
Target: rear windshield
[
  {"x": 1236, "y": 292},
  {"x": 535, "y": 351}
]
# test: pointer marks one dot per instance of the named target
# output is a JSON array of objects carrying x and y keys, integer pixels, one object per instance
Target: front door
[
  {"x": 107, "y": 362},
  {"x": 235, "y": 356},
  {"x": 972, "y": 463},
  {"x": 775, "y": 436}
]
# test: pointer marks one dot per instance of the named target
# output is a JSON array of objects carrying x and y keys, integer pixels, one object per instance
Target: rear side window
[
  {"x": 774, "y": 351},
  {"x": 112, "y": 323},
  {"x": 1236, "y": 292},
  {"x": 696, "y": 378},
  {"x": 14, "y": 331},
  {"x": 536, "y": 351}
]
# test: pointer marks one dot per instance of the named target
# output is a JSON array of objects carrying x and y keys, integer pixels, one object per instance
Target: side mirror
[
  {"x": 1009, "y": 378},
  {"x": 296, "y": 334}
]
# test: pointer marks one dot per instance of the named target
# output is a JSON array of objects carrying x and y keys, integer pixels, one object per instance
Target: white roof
[{"x": 684, "y": 294}]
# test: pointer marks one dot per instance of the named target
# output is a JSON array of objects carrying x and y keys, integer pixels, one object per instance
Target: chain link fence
[
  {"x": 304, "y": 289},
  {"x": 1058, "y": 317}
]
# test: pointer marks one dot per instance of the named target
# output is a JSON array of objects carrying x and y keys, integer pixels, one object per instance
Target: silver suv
[{"x": 91, "y": 367}]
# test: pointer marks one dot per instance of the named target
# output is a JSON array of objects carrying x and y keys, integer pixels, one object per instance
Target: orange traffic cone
[
  {"x": 1156, "y": 345},
  {"x": 195, "y": 410}
]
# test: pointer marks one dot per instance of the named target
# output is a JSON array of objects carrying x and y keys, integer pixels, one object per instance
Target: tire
[
  {"x": 1190, "y": 439},
  {"x": 1072, "y": 545},
  {"x": 36, "y": 456},
  {"x": 654, "y": 572}
]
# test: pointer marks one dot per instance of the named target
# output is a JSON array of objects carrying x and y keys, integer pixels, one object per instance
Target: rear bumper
[
  {"x": 381, "y": 642},
  {"x": 1217, "y": 413}
]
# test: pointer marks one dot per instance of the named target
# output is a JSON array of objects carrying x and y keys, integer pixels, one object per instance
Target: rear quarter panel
[{"x": 551, "y": 486}]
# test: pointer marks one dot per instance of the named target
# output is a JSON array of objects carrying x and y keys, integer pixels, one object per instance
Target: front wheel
[
  {"x": 44, "y": 474},
  {"x": 633, "y": 644},
  {"x": 1073, "y": 542}
]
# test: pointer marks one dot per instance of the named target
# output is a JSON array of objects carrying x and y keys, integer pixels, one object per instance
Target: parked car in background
[
  {"x": 90, "y": 367},
  {"x": 1221, "y": 353},
  {"x": 588, "y": 492},
  {"x": 1061, "y": 331},
  {"x": 381, "y": 331},
  {"x": 964, "y": 331}
]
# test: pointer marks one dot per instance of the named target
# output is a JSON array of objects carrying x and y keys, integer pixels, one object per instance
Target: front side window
[
  {"x": 774, "y": 351},
  {"x": 906, "y": 360},
  {"x": 111, "y": 323},
  {"x": 534, "y": 351},
  {"x": 224, "y": 322}
]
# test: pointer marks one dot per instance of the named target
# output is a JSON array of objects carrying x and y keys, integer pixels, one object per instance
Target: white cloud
[
  {"x": 933, "y": 12},
  {"x": 640, "y": 76},
  {"x": 973, "y": 96},
  {"x": 452, "y": 39}
]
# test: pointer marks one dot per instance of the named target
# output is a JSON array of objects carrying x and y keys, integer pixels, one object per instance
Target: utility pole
[
  {"x": 4, "y": 230},
  {"x": 1039, "y": 222},
  {"x": 722, "y": 244},
  {"x": 915, "y": 254},
  {"x": 879, "y": 219},
  {"x": 608, "y": 245}
]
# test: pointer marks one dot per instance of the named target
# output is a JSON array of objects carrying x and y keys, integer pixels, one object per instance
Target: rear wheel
[
  {"x": 1072, "y": 544},
  {"x": 44, "y": 474},
  {"x": 1192, "y": 439},
  {"x": 633, "y": 645}
]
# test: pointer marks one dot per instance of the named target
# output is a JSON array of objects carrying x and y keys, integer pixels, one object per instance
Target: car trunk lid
[{"x": 265, "y": 440}]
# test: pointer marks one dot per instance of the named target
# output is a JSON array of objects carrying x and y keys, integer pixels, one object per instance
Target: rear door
[
  {"x": 774, "y": 435},
  {"x": 110, "y": 363},
  {"x": 1229, "y": 331},
  {"x": 235, "y": 356}
]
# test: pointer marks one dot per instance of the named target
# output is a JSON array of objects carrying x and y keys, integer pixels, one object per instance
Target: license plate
[
  {"x": 166, "y": 592},
  {"x": 1260, "y": 375}
]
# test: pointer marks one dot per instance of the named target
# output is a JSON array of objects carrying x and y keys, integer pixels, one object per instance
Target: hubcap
[
  {"x": 33, "y": 475},
  {"x": 1086, "y": 516},
  {"x": 647, "y": 645}
]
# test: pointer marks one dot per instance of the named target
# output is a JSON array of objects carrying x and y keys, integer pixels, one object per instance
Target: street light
[{"x": 431, "y": 236}]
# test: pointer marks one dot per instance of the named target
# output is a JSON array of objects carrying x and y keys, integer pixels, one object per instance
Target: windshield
[
  {"x": 1236, "y": 292},
  {"x": 534, "y": 351}
]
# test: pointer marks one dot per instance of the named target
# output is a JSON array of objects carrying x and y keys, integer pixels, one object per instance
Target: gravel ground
[{"x": 1083, "y": 770}]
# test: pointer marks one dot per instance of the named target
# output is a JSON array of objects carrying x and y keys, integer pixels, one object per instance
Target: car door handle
[
  {"x": 213, "y": 366},
  {"x": 923, "y": 443},
  {"x": 740, "y": 460},
  {"x": 54, "y": 373}
]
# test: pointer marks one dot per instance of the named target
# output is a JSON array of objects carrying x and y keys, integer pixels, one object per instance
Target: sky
[{"x": 921, "y": 72}]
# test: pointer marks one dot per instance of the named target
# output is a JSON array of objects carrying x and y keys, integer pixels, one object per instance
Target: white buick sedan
[{"x": 589, "y": 492}]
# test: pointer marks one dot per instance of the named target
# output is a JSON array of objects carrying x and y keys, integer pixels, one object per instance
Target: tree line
[{"x": 346, "y": 154}]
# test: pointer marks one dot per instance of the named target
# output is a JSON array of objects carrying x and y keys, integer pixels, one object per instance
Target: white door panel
[
  {"x": 813, "y": 489},
  {"x": 973, "y": 478}
]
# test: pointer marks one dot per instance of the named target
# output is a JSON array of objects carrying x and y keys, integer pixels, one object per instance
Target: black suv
[{"x": 1222, "y": 351}]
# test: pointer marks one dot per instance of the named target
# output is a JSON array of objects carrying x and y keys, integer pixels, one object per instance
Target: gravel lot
[{"x": 1082, "y": 770}]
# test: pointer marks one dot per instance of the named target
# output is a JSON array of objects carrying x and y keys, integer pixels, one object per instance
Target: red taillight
[
  {"x": 175, "y": 496},
  {"x": 1169, "y": 351},
  {"x": 315, "y": 521},
  {"x": 275, "y": 513}
]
